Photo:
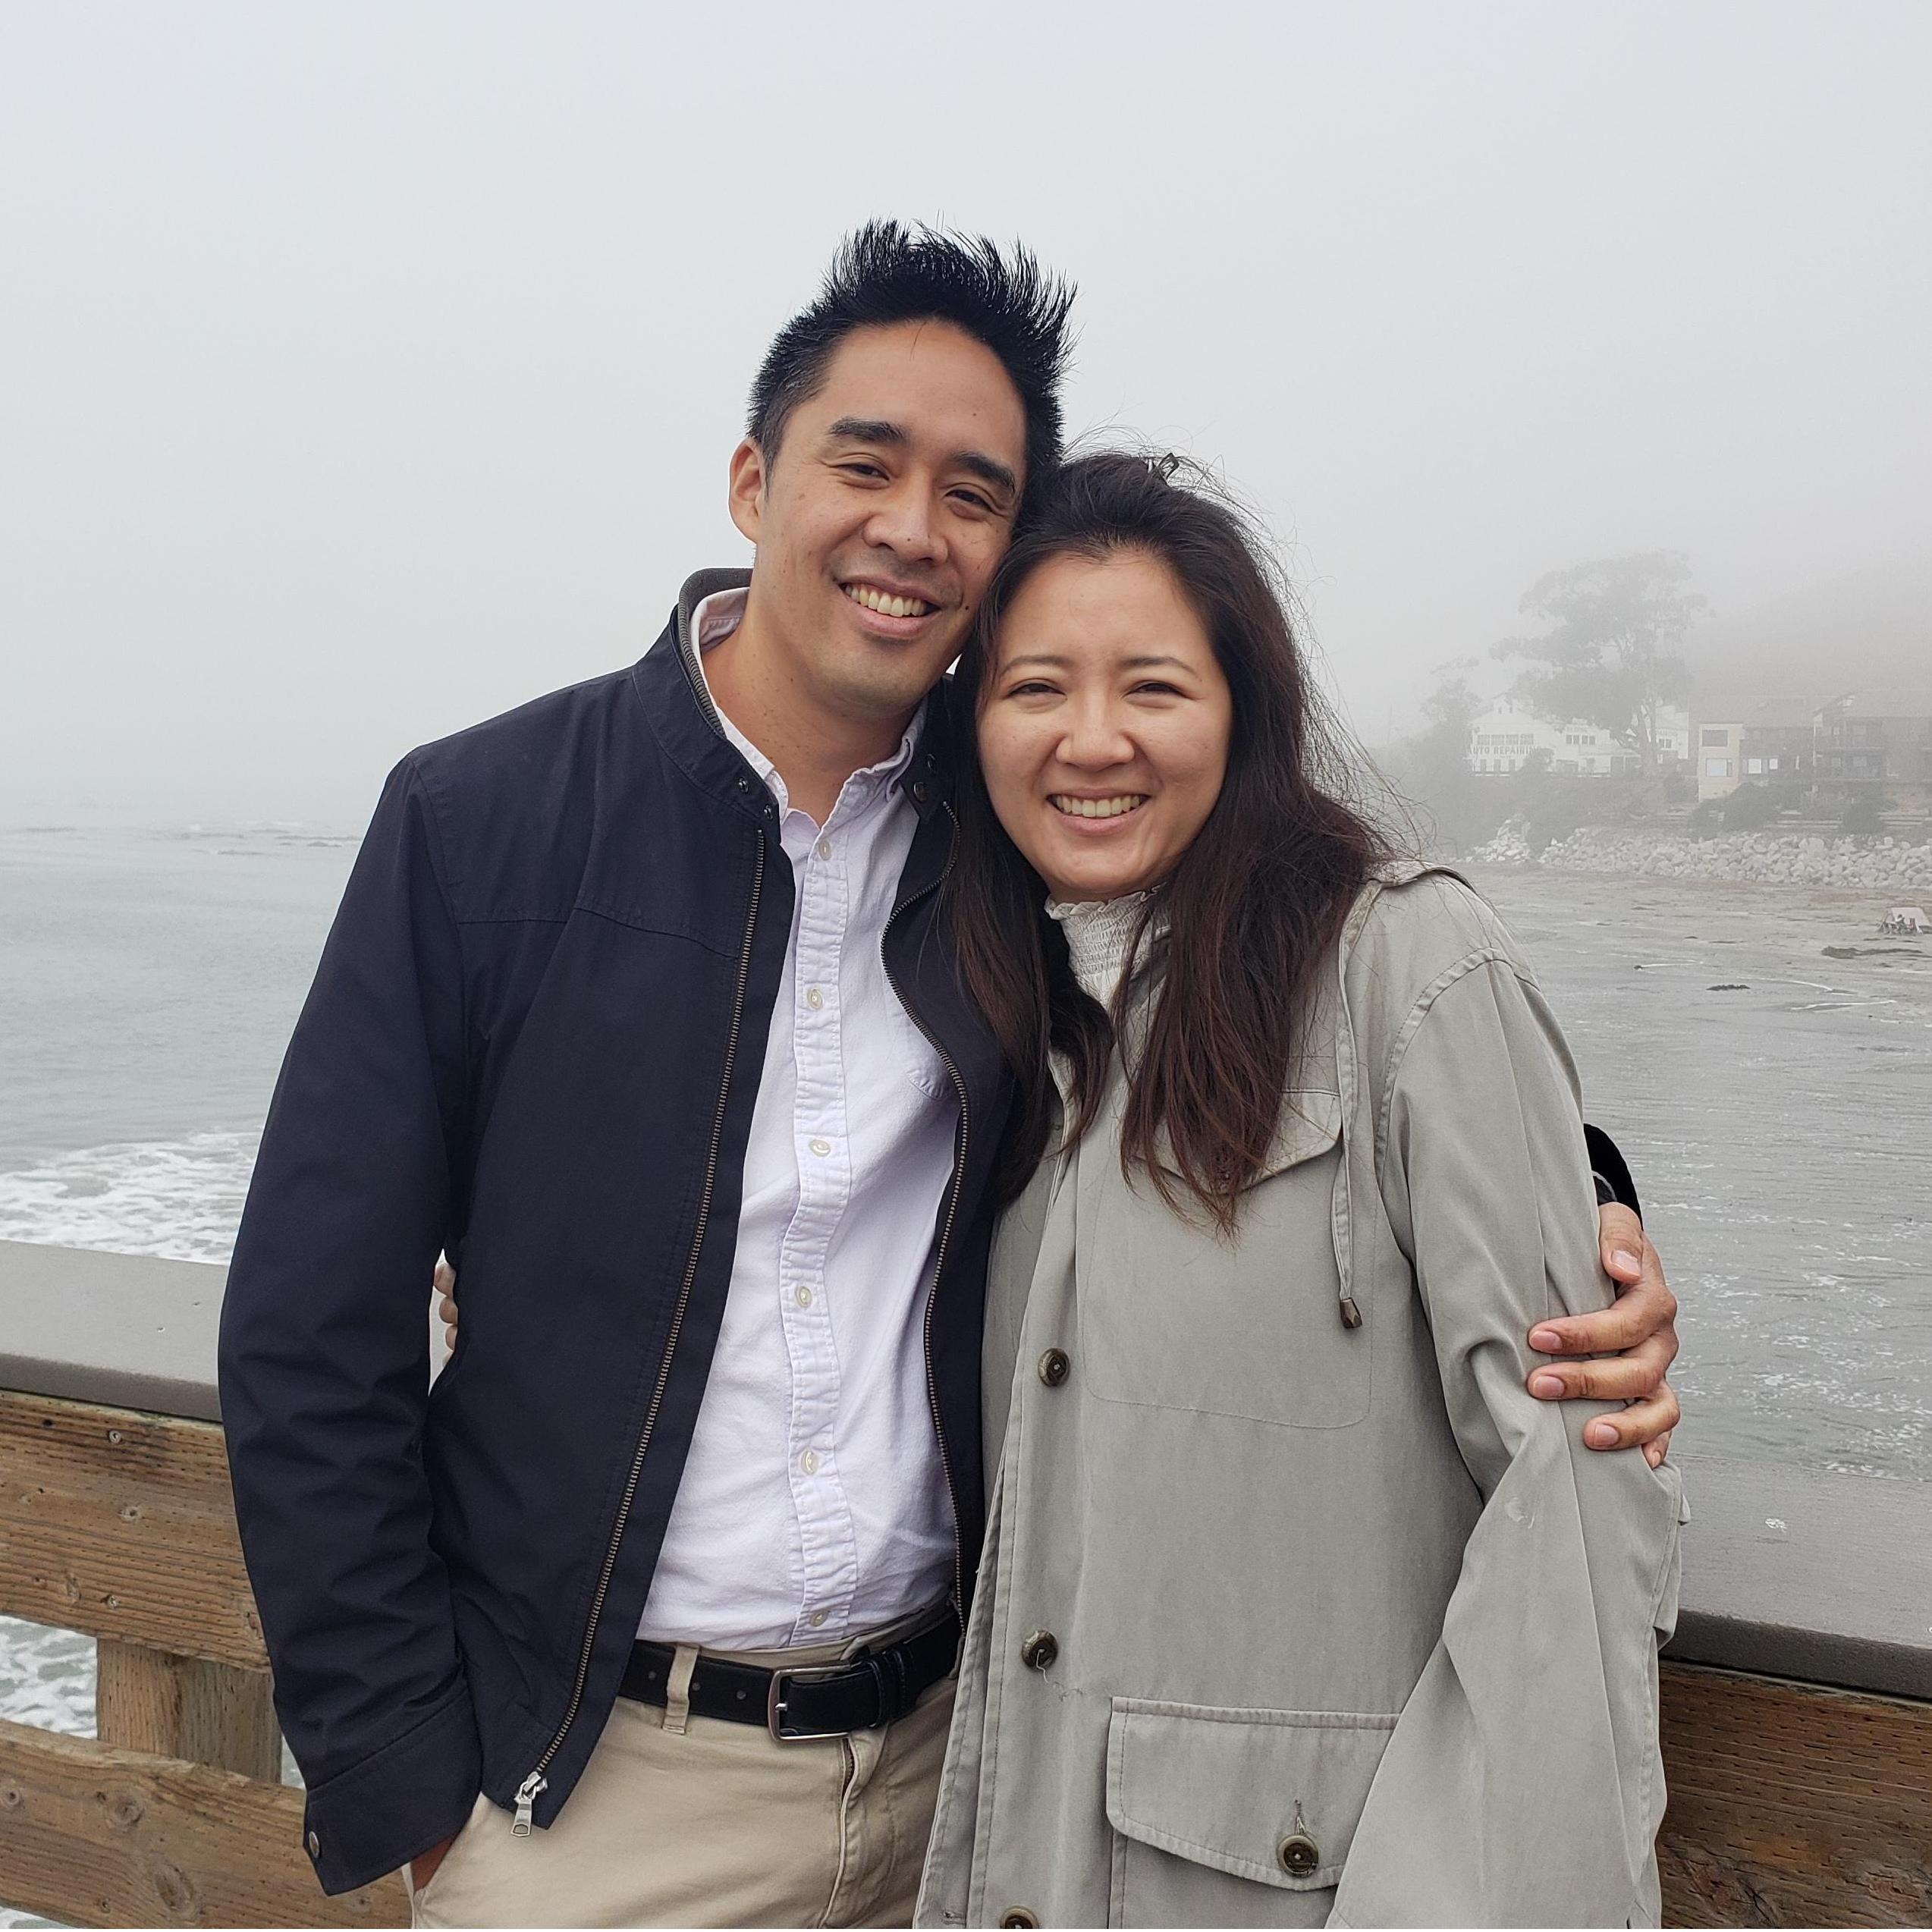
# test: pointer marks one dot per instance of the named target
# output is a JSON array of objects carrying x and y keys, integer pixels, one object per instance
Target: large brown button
[
  {"x": 1055, "y": 1367},
  {"x": 1039, "y": 1650},
  {"x": 1299, "y": 1854},
  {"x": 1018, "y": 1915}
]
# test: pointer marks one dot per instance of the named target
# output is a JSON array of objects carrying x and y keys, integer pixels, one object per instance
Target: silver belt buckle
[{"x": 774, "y": 1700}]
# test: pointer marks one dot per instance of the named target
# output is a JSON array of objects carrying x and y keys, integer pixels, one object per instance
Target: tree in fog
[
  {"x": 1608, "y": 652},
  {"x": 1431, "y": 769}
]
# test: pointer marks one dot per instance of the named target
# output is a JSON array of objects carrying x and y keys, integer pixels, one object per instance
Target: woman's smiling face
[{"x": 1104, "y": 733}]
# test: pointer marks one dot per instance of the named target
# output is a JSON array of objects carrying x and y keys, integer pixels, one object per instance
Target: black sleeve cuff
[
  {"x": 374, "y": 1817},
  {"x": 1610, "y": 1171}
]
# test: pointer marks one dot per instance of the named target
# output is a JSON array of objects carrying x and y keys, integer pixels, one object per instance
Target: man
[{"x": 639, "y": 1006}]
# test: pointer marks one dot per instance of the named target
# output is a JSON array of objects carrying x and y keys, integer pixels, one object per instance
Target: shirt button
[
  {"x": 821, "y": 1147},
  {"x": 1018, "y": 1915},
  {"x": 814, "y": 998},
  {"x": 314, "y": 1845},
  {"x": 1039, "y": 1651},
  {"x": 817, "y": 1620},
  {"x": 808, "y": 1462},
  {"x": 824, "y": 848},
  {"x": 1054, "y": 1368},
  {"x": 802, "y": 1296}
]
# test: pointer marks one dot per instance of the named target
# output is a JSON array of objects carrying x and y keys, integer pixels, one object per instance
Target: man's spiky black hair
[{"x": 887, "y": 272}]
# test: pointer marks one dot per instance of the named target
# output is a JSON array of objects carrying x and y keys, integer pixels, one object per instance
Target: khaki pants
[{"x": 714, "y": 1824}]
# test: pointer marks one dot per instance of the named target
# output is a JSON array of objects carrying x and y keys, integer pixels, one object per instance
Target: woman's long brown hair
[{"x": 1252, "y": 908}]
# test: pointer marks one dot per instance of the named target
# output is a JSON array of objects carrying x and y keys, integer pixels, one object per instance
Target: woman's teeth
[
  {"x": 886, "y": 607},
  {"x": 1096, "y": 808}
]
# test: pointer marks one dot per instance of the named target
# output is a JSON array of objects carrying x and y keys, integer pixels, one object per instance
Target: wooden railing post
[
  {"x": 120, "y": 1523},
  {"x": 186, "y": 1706}
]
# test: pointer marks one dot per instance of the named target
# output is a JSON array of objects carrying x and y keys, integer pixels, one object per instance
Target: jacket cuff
[{"x": 416, "y": 1791}]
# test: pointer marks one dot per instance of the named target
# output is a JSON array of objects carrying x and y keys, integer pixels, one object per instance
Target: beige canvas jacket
[{"x": 1281, "y": 1619}]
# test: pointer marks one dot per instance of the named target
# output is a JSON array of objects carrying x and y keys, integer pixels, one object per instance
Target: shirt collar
[{"x": 713, "y": 621}]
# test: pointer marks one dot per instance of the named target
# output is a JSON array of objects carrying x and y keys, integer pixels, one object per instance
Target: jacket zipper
[
  {"x": 526, "y": 1792},
  {"x": 952, "y": 1210}
]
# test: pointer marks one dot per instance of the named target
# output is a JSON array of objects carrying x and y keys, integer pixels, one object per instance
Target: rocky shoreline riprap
[{"x": 1753, "y": 858}]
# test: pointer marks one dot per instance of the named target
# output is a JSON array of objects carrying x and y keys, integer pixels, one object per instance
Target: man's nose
[{"x": 904, "y": 524}]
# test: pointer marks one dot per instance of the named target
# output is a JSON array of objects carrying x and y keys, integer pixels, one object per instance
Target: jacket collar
[{"x": 668, "y": 678}]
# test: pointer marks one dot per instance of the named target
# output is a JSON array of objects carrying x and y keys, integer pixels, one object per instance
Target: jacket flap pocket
[
  {"x": 1310, "y": 1123},
  {"x": 1272, "y": 1795}
]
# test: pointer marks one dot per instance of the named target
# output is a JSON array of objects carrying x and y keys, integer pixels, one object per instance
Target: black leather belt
[{"x": 811, "y": 1700}]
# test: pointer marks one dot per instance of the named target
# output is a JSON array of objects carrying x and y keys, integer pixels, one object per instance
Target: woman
[{"x": 1278, "y": 1614}]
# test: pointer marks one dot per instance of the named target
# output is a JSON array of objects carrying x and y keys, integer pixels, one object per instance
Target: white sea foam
[{"x": 177, "y": 1199}]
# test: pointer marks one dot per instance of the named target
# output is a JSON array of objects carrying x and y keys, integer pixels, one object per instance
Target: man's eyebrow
[
  {"x": 866, "y": 429},
  {"x": 989, "y": 470},
  {"x": 890, "y": 435}
]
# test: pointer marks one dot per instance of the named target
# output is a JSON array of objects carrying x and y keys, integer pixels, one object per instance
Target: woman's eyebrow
[{"x": 1058, "y": 660}]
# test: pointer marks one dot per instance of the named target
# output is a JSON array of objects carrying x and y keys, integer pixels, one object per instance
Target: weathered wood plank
[
  {"x": 185, "y": 1706},
  {"x": 121, "y": 1524},
  {"x": 95, "y": 1836},
  {"x": 1792, "y": 1804}
]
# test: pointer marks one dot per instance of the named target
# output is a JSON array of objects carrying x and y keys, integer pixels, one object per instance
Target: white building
[
  {"x": 1503, "y": 736},
  {"x": 1673, "y": 734}
]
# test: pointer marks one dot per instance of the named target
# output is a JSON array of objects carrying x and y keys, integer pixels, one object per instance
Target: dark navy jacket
[{"x": 534, "y": 1040}]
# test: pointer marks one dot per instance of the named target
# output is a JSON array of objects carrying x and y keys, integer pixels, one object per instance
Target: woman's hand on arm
[{"x": 1636, "y": 1337}]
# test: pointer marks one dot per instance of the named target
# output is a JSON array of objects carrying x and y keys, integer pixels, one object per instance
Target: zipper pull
[{"x": 526, "y": 1793}]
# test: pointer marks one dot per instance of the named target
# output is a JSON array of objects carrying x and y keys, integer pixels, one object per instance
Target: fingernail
[
  {"x": 1653, "y": 1455},
  {"x": 1545, "y": 1341},
  {"x": 1546, "y": 1385},
  {"x": 1601, "y": 1435},
  {"x": 1629, "y": 1260}
]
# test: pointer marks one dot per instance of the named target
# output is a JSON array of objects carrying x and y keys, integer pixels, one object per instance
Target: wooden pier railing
[
  {"x": 116, "y": 1519},
  {"x": 1797, "y": 1709}
]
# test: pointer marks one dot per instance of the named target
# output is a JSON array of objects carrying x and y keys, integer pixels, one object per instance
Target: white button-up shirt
[{"x": 813, "y": 1504}]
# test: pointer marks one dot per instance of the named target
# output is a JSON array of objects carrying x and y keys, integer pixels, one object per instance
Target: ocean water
[
  {"x": 1775, "y": 1102},
  {"x": 148, "y": 983}
]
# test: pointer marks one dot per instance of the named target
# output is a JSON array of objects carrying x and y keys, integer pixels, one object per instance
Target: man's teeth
[
  {"x": 886, "y": 607},
  {"x": 1097, "y": 807}
]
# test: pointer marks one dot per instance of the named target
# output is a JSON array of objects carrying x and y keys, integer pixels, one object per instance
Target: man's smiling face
[{"x": 880, "y": 517}]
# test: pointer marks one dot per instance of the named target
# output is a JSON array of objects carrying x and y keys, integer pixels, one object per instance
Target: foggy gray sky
[{"x": 365, "y": 369}]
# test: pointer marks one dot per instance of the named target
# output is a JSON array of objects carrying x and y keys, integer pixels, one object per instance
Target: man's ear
[{"x": 746, "y": 498}]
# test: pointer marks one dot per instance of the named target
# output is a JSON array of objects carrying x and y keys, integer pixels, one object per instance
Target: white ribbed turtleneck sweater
[{"x": 1098, "y": 933}]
